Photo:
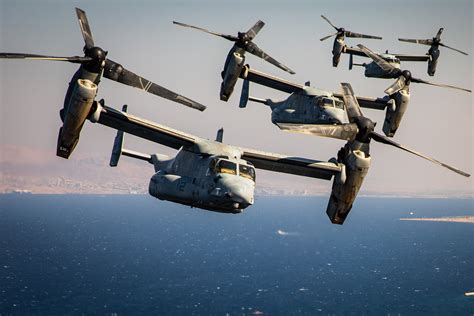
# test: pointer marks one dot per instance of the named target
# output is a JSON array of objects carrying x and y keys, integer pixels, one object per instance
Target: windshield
[
  {"x": 327, "y": 102},
  {"x": 339, "y": 104},
  {"x": 225, "y": 166},
  {"x": 247, "y": 172}
]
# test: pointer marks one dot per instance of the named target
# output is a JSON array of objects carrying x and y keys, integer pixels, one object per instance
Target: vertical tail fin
[{"x": 118, "y": 149}]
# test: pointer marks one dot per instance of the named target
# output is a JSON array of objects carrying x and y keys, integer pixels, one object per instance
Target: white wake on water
[{"x": 284, "y": 233}]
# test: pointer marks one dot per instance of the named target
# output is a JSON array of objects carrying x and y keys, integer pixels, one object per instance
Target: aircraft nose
[
  {"x": 239, "y": 191},
  {"x": 240, "y": 195},
  {"x": 336, "y": 115}
]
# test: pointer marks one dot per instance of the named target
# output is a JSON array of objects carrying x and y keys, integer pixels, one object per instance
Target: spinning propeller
[
  {"x": 95, "y": 61},
  {"x": 360, "y": 128},
  {"x": 244, "y": 41},
  {"x": 403, "y": 76},
  {"x": 343, "y": 32},
  {"x": 435, "y": 41}
]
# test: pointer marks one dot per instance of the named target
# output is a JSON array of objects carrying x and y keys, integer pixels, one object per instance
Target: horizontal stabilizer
[
  {"x": 136, "y": 155},
  {"x": 118, "y": 149}
]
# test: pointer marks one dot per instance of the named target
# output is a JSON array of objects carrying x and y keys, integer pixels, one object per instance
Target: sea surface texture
[{"x": 122, "y": 255}]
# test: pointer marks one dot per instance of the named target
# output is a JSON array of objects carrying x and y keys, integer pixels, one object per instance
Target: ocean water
[{"x": 122, "y": 255}]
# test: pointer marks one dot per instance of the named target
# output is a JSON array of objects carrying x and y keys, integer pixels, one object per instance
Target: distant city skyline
[{"x": 141, "y": 36}]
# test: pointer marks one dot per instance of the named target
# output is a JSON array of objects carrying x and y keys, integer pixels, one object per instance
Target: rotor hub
[
  {"x": 407, "y": 75},
  {"x": 243, "y": 37},
  {"x": 243, "y": 40},
  {"x": 98, "y": 58},
  {"x": 366, "y": 126}
]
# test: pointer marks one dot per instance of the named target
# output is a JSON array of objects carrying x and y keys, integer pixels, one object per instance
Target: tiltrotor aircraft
[
  {"x": 207, "y": 174},
  {"x": 399, "y": 90},
  {"x": 339, "y": 44},
  {"x": 308, "y": 105},
  {"x": 83, "y": 86},
  {"x": 215, "y": 176},
  {"x": 434, "y": 44},
  {"x": 373, "y": 70},
  {"x": 236, "y": 57}
]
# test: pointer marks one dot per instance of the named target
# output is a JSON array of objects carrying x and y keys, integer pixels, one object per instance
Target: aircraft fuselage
[
  {"x": 218, "y": 182},
  {"x": 309, "y": 107}
]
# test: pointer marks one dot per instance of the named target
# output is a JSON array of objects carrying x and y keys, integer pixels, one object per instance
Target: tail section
[
  {"x": 158, "y": 161},
  {"x": 352, "y": 63},
  {"x": 118, "y": 150}
]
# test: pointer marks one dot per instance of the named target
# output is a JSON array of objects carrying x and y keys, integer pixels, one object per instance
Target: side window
[
  {"x": 328, "y": 102},
  {"x": 211, "y": 169},
  {"x": 339, "y": 104},
  {"x": 247, "y": 172}
]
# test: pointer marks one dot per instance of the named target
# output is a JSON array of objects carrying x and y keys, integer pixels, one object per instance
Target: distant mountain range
[{"x": 41, "y": 171}]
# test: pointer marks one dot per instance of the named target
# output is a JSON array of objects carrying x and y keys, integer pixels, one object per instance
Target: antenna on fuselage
[{"x": 220, "y": 135}]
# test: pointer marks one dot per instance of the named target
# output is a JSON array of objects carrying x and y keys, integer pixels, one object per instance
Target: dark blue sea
[{"x": 124, "y": 255}]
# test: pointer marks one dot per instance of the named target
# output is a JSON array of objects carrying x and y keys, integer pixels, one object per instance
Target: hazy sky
[{"x": 140, "y": 35}]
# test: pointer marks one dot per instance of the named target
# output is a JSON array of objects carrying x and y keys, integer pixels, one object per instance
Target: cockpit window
[
  {"x": 225, "y": 166},
  {"x": 392, "y": 59},
  {"x": 247, "y": 172},
  {"x": 339, "y": 104},
  {"x": 327, "y": 102}
]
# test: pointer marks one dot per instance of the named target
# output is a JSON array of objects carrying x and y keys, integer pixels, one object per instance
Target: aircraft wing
[
  {"x": 403, "y": 57},
  {"x": 269, "y": 80},
  {"x": 291, "y": 87},
  {"x": 353, "y": 51},
  {"x": 368, "y": 102},
  {"x": 176, "y": 139},
  {"x": 358, "y": 52},
  {"x": 145, "y": 129},
  {"x": 292, "y": 165}
]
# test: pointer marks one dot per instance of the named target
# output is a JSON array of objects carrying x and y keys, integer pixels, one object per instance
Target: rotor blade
[
  {"x": 227, "y": 37},
  {"x": 352, "y": 105},
  {"x": 387, "y": 67},
  {"x": 457, "y": 50},
  {"x": 438, "y": 36},
  {"x": 359, "y": 35},
  {"x": 385, "y": 140},
  {"x": 428, "y": 42},
  {"x": 72, "y": 59},
  {"x": 438, "y": 84},
  {"x": 342, "y": 131},
  {"x": 85, "y": 28},
  {"x": 327, "y": 20},
  {"x": 396, "y": 86},
  {"x": 326, "y": 37},
  {"x": 252, "y": 48},
  {"x": 255, "y": 29},
  {"x": 116, "y": 72}
]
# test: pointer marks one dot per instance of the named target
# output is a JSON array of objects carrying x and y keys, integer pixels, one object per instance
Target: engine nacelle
[
  {"x": 433, "y": 61},
  {"x": 337, "y": 50},
  {"x": 171, "y": 187},
  {"x": 231, "y": 73},
  {"x": 394, "y": 114},
  {"x": 74, "y": 116},
  {"x": 343, "y": 194},
  {"x": 95, "y": 112}
]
